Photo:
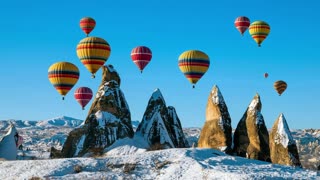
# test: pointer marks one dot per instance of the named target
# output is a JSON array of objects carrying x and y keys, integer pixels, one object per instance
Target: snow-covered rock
[
  {"x": 217, "y": 131},
  {"x": 160, "y": 124},
  {"x": 8, "y": 146},
  {"x": 251, "y": 137},
  {"x": 108, "y": 120},
  {"x": 283, "y": 148}
]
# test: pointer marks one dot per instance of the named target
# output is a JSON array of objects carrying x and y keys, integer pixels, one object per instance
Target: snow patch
[
  {"x": 283, "y": 133},
  {"x": 104, "y": 118},
  {"x": 217, "y": 97},
  {"x": 80, "y": 145}
]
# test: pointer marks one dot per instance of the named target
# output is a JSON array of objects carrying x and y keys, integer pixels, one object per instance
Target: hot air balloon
[
  {"x": 280, "y": 86},
  {"x": 87, "y": 24},
  {"x": 242, "y": 23},
  {"x": 259, "y": 30},
  {"x": 63, "y": 76},
  {"x": 83, "y": 95},
  {"x": 93, "y": 53},
  {"x": 266, "y": 75},
  {"x": 141, "y": 56},
  {"x": 194, "y": 64}
]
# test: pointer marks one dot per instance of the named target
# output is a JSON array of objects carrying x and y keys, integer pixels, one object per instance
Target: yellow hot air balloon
[
  {"x": 280, "y": 86},
  {"x": 194, "y": 64},
  {"x": 63, "y": 76},
  {"x": 93, "y": 53},
  {"x": 259, "y": 31}
]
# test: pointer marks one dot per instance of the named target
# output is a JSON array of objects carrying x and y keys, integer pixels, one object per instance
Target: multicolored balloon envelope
[
  {"x": 87, "y": 24},
  {"x": 93, "y": 53},
  {"x": 63, "y": 76},
  {"x": 83, "y": 95},
  {"x": 259, "y": 31},
  {"x": 194, "y": 64},
  {"x": 141, "y": 56},
  {"x": 242, "y": 23},
  {"x": 280, "y": 86}
]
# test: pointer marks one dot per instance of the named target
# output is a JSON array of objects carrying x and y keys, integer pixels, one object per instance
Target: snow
[
  {"x": 167, "y": 164},
  {"x": 283, "y": 133},
  {"x": 217, "y": 97},
  {"x": 8, "y": 148},
  {"x": 104, "y": 118},
  {"x": 110, "y": 68},
  {"x": 80, "y": 145},
  {"x": 254, "y": 103}
]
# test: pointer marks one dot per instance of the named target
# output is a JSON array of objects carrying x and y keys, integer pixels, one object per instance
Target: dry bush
[
  {"x": 35, "y": 178},
  {"x": 155, "y": 147},
  {"x": 77, "y": 168},
  {"x": 160, "y": 165},
  {"x": 127, "y": 168},
  {"x": 98, "y": 151}
]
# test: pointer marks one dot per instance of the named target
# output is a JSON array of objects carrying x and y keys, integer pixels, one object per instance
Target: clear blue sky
[{"x": 36, "y": 34}]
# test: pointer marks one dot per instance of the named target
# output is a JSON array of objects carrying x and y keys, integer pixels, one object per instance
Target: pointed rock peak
[
  {"x": 217, "y": 97},
  {"x": 110, "y": 74},
  {"x": 156, "y": 95},
  {"x": 255, "y": 103},
  {"x": 284, "y": 135}
]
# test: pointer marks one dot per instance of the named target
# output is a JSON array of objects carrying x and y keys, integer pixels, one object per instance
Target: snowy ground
[{"x": 191, "y": 163}]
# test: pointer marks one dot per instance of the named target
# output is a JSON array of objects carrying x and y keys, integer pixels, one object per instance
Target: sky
[{"x": 36, "y": 34}]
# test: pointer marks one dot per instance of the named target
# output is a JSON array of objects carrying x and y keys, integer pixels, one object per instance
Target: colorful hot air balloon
[
  {"x": 242, "y": 23},
  {"x": 280, "y": 86},
  {"x": 93, "y": 53},
  {"x": 266, "y": 75},
  {"x": 259, "y": 30},
  {"x": 63, "y": 76},
  {"x": 194, "y": 64},
  {"x": 87, "y": 24},
  {"x": 141, "y": 56},
  {"x": 83, "y": 95}
]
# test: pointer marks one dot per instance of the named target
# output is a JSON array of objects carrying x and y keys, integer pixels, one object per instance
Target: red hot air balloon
[
  {"x": 87, "y": 24},
  {"x": 141, "y": 56},
  {"x": 83, "y": 95},
  {"x": 242, "y": 23},
  {"x": 266, "y": 75}
]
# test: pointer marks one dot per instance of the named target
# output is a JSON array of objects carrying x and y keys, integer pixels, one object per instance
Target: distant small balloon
[
  {"x": 280, "y": 86},
  {"x": 83, "y": 95},
  {"x": 242, "y": 23},
  {"x": 266, "y": 75},
  {"x": 87, "y": 24}
]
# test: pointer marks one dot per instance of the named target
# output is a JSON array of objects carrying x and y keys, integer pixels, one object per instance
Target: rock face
[
  {"x": 283, "y": 148},
  {"x": 251, "y": 138},
  {"x": 108, "y": 119},
  {"x": 8, "y": 146},
  {"x": 217, "y": 131},
  {"x": 160, "y": 125}
]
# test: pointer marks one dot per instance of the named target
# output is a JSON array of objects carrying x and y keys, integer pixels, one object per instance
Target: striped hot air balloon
[
  {"x": 87, "y": 24},
  {"x": 280, "y": 86},
  {"x": 259, "y": 31},
  {"x": 93, "y": 53},
  {"x": 242, "y": 23},
  {"x": 194, "y": 64},
  {"x": 141, "y": 56},
  {"x": 83, "y": 95},
  {"x": 63, "y": 76}
]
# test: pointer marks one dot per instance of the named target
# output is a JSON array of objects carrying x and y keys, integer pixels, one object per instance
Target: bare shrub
[
  {"x": 77, "y": 168},
  {"x": 127, "y": 168},
  {"x": 35, "y": 178},
  {"x": 156, "y": 146},
  {"x": 160, "y": 165}
]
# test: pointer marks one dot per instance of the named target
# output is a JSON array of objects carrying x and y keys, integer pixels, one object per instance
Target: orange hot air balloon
[
  {"x": 83, "y": 95},
  {"x": 266, "y": 75},
  {"x": 242, "y": 23},
  {"x": 87, "y": 24},
  {"x": 141, "y": 56},
  {"x": 280, "y": 86}
]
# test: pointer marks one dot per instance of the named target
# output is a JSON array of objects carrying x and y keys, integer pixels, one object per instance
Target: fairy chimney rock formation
[
  {"x": 251, "y": 137},
  {"x": 160, "y": 125},
  {"x": 108, "y": 120},
  {"x": 283, "y": 148},
  {"x": 217, "y": 131}
]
